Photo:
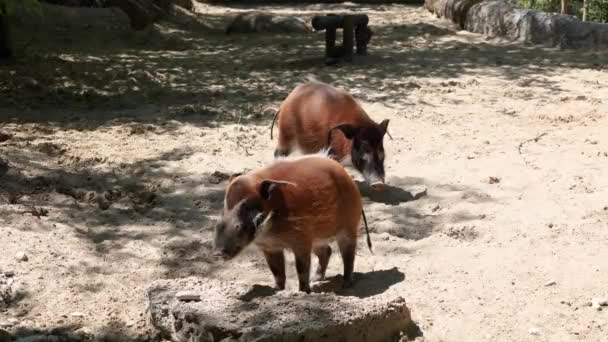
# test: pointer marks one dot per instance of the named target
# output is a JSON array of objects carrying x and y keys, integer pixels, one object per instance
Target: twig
[
  {"x": 37, "y": 212},
  {"x": 521, "y": 144}
]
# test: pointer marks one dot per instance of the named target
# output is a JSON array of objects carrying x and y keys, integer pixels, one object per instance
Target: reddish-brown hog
[
  {"x": 310, "y": 119},
  {"x": 300, "y": 204}
]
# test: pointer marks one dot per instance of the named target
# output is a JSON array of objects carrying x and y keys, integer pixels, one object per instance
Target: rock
[
  {"x": 256, "y": 22},
  {"x": 102, "y": 202},
  {"x": 418, "y": 191},
  {"x": 534, "y": 331},
  {"x": 77, "y": 314},
  {"x": 5, "y": 136},
  {"x": 493, "y": 180},
  {"x": 9, "y": 273},
  {"x": 501, "y": 18},
  {"x": 33, "y": 338},
  {"x": 21, "y": 256},
  {"x": 232, "y": 311},
  {"x": 551, "y": 283},
  {"x": 5, "y": 336},
  {"x": 385, "y": 236},
  {"x": 84, "y": 332},
  {"x": 52, "y": 338},
  {"x": 188, "y": 295},
  {"x": 597, "y": 303}
]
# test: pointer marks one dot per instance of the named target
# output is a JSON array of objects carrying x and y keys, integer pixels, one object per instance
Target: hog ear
[
  {"x": 384, "y": 126},
  {"x": 348, "y": 130},
  {"x": 269, "y": 186}
]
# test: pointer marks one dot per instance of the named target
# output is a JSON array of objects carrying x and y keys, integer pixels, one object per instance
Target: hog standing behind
[
  {"x": 300, "y": 204},
  {"x": 309, "y": 118}
]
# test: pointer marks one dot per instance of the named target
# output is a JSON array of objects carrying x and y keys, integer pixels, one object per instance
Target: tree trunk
[
  {"x": 5, "y": 41},
  {"x": 564, "y": 6},
  {"x": 585, "y": 9}
]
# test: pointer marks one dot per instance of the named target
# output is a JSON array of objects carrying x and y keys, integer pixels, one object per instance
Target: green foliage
[
  {"x": 8, "y": 7},
  {"x": 598, "y": 9}
]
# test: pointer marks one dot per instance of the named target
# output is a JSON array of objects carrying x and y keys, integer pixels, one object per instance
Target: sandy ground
[{"x": 116, "y": 138}]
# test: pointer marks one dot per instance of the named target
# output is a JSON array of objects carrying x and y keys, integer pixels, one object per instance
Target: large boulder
[
  {"x": 252, "y": 22},
  {"x": 501, "y": 18},
  {"x": 202, "y": 309}
]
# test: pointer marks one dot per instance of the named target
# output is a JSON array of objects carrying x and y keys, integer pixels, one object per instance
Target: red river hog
[
  {"x": 299, "y": 204},
  {"x": 308, "y": 118}
]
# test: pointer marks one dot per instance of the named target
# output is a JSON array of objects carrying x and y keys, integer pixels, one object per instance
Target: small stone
[
  {"x": 9, "y": 274},
  {"x": 84, "y": 332},
  {"x": 493, "y": 180},
  {"x": 418, "y": 192},
  {"x": 77, "y": 314},
  {"x": 597, "y": 303},
  {"x": 102, "y": 202},
  {"x": 188, "y": 296},
  {"x": 21, "y": 256},
  {"x": 385, "y": 236},
  {"x": 534, "y": 331},
  {"x": 551, "y": 283},
  {"x": 5, "y": 136}
]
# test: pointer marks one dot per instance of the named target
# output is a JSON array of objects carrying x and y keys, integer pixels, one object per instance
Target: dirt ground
[{"x": 117, "y": 145}]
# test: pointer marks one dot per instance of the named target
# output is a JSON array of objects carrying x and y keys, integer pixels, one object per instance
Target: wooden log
[
  {"x": 330, "y": 41},
  {"x": 363, "y": 34},
  {"x": 324, "y": 22},
  {"x": 347, "y": 36}
]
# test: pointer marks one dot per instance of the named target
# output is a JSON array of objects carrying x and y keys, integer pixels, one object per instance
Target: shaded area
[
  {"x": 180, "y": 72},
  {"x": 416, "y": 222},
  {"x": 365, "y": 284}
]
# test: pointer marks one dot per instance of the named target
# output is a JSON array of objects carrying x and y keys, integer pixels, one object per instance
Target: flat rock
[
  {"x": 242, "y": 312},
  {"x": 257, "y": 22}
]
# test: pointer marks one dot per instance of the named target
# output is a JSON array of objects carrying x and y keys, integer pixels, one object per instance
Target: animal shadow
[
  {"x": 257, "y": 291},
  {"x": 391, "y": 195},
  {"x": 365, "y": 284}
]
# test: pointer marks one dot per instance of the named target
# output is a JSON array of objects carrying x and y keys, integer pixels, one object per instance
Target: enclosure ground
[{"x": 117, "y": 144}]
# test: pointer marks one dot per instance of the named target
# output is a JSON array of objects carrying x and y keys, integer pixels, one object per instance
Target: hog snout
[{"x": 221, "y": 254}]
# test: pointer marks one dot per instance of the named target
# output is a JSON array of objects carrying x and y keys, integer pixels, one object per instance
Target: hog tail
[
  {"x": 369, "y": 240},
  {"x": 276, "y": 114}
]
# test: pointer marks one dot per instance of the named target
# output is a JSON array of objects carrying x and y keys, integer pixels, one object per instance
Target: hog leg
[
  {"x": 276, "y": 262},
  {"x": 348, "y": 246},
  {"x": 323, "y": 253},
  {"x": 303, "y": 268}
]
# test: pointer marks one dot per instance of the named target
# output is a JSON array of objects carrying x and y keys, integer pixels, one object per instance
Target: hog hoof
[
  {"x": 347, "y": 283},
  {"x": 305, "y": 289}
]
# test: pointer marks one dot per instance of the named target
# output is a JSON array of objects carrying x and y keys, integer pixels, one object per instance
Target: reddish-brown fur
[
  {"x": 322, "y": 202},
  {"x": 318, "y": 202},
  {"x": 310, "y": 111}
]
